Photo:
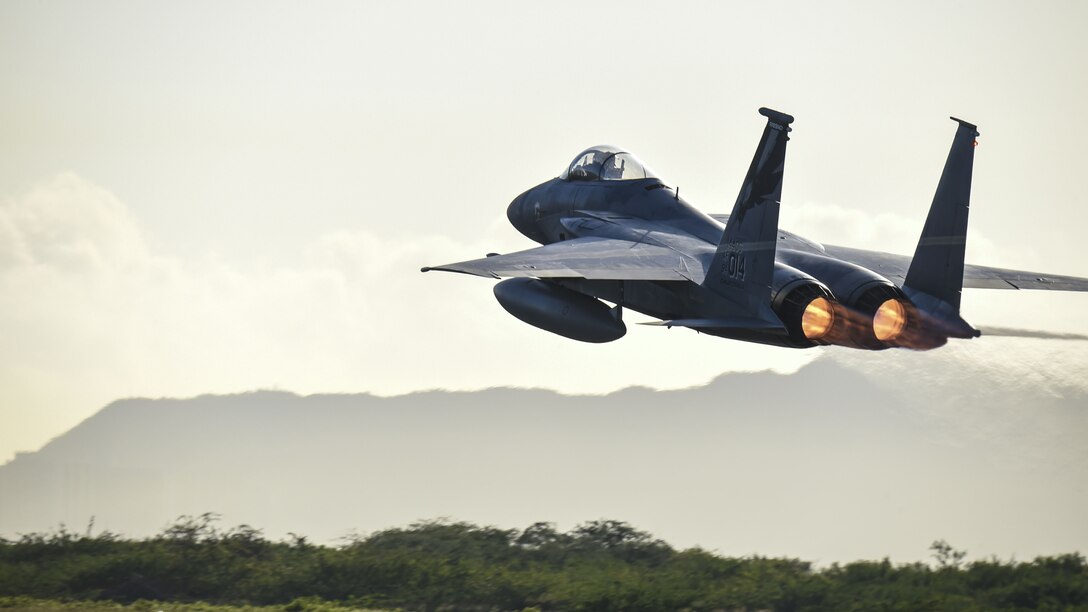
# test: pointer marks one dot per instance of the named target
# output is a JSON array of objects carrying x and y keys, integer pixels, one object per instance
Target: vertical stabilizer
[
  {"x": 744, "y": 260},
  {"x": 937, "y": 267}
]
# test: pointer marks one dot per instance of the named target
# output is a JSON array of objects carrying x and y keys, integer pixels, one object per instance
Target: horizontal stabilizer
[
  {"x": 720, "y": 323},
  {"x": 1011, "y": 332}
]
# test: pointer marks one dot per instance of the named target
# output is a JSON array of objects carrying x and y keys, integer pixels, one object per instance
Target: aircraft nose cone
[
  {"x": 514, "y": 210},
  {"x": 519, "y": 214}
]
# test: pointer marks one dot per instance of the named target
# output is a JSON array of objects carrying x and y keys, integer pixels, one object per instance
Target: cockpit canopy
[{"x": 606, "y": 163}]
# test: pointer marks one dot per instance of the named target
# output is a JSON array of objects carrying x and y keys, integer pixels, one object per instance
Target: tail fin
[
  {"x": 744, "y": 260},
  {"x": 937, "y": 267}
]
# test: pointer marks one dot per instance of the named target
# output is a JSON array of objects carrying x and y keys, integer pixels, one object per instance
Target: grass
[{"x": 305, "y": 604}]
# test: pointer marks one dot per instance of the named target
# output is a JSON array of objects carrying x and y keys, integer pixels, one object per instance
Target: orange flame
[
  {"x": 890, "y": 320},
  {"x": 817, "y": 319}
]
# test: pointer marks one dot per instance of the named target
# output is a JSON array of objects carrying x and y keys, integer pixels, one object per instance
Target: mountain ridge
[{"x": 754, "y": 462}]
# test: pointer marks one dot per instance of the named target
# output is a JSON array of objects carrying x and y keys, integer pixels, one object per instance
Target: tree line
[{"x": 443, "y": 565}]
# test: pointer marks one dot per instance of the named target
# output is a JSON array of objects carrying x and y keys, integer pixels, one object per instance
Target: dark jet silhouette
[{"x": 613, "y": 231}]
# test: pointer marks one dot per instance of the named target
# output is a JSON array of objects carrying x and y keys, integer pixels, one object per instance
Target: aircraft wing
[
  {"x": 894, "y": 268},
  {"x": 591, "y": 258}
]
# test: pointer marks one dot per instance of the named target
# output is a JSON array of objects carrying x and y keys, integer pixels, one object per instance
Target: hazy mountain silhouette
[{"x": 751, "y": 462}]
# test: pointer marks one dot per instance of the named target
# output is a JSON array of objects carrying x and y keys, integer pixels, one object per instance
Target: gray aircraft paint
[{"x": 636, "y": 243}]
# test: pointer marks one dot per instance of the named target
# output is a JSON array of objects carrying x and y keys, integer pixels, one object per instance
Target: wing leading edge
[{"x": 591, "y": 258}]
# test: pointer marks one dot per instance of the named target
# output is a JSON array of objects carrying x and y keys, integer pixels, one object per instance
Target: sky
[{"x": 220, "y": 197}]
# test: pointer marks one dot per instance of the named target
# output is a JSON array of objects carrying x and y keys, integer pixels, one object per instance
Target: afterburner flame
[
  {"x": 817, "y": 319},
  {"x": 889, "y": 320}
]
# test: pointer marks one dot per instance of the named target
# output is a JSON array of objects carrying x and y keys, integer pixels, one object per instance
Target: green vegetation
[
  {"x": 437, "y": 565},
  {"x": 30, "y": 604}
]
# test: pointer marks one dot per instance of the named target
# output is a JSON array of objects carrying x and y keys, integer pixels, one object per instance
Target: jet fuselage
[{"x": 611, "y": 230}]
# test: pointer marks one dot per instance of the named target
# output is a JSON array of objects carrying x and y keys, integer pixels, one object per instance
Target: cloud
[
  {"x": 851, "y": 227},
  {"x": 882, "y": 231},
  {"x": 89, "y": 312},
  {"x": 69, "y": 224}
]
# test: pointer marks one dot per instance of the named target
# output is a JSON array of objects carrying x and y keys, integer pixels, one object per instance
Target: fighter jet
[{"x": 613, "y": 232}]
